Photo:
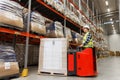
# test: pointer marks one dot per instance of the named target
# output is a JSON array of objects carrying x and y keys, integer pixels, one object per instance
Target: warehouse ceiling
[{"x": 108, "y": 11}]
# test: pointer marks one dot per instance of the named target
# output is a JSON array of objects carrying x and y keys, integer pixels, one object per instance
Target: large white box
[{"x": 53, "y": 55}]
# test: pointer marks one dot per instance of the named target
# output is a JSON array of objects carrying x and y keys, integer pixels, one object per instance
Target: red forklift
[{"x": 82, "y": 63}]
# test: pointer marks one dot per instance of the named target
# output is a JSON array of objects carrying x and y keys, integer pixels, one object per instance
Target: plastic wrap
[
  {"x": 76, "y": 37},
  {"x": 59, "y": 6},
  {"x": 7, "y": 54},
  {"x": 11, "y": 13},
  {"x": 38, "y": 23},
  {"x": 55, "y": 29},
  {"x": 68, "y": 34}
]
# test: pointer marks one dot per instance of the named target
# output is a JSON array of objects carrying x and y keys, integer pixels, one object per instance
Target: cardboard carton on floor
[{"x": 8, "y": 68}]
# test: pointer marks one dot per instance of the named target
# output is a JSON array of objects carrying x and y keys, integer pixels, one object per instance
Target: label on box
[{"x": 7, "y": 65}]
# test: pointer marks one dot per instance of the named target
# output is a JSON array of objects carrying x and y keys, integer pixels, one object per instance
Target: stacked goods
[
  {"x": 54, "y": 29},
  {"x": 112, "y": 53},
  {"x": 68, "y": 34},
  {"x": 53, "y": 56},
  {"x": 57, "y": 4},
  {"x": 74, "y": 37},
  {"x": 38, "y": 23},
  {"x": 77, "y": 38},
  {"x": 70, "y": 14},
  {"x": 49, "y": 2},
  {"x": 7, "y": 54},
  {"x": 8, "y": 64},
  {"x": 11, "y": 13},
  {"x": 117, "y": 53}
]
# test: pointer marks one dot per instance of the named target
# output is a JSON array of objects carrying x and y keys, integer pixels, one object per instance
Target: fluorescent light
[
  {"x": 106, "y": 2},
  {"x": 112, "y": 22},
  {"x": 108, "y": 10},
  {"x": 111, "y": 19}
]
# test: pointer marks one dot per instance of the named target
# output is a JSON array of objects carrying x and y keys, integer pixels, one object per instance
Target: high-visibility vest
[{"x": 90, "y": 43}]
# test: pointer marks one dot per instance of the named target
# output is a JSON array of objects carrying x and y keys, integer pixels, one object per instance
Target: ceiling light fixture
[
  {"x": 111, "y": 19},
  {"x": 106, "y": 2},
  {"x": 108, "y": 10},
  {"x": 112, "y": 22}
]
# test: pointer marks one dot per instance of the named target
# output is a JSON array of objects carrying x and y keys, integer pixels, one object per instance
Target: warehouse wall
[
  {"x": 107, "y": 40},
  {"x": 114, "y": 42}
]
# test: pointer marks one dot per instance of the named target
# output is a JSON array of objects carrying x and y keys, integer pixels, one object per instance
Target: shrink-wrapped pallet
[
  {"x": 38, "y": 23},
  {"x": 55, "y": 29},
  {"x": 49, "y": 2},
  {"x": 76, "y": 38},
  {"x": 7, "y": 54},
  {"x": 11, "y": 13},
  {"x": 59, "y": 6},
  {"x": 8, "y": 64},
  {"x": 68, "y": 34},
  {"x": 53, "y": 56}
]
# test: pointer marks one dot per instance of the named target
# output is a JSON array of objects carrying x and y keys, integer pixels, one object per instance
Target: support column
[{"x": 25, "y": 70}]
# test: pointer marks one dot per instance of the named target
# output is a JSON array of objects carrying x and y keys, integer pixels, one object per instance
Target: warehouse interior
[{"x": 41, "y": 39}]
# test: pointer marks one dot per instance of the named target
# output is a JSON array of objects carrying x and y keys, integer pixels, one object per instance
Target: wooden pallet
[
  {"x": 11, "y": 26},
  {"x": 52, "y": 73},
  {"x": 9, "y": 77}
]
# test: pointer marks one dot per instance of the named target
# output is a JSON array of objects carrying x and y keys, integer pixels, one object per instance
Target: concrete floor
[{"x": 108, "y": 69}]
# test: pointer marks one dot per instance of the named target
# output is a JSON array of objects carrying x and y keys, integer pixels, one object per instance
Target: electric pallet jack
[{"x": 81, "y": 63}]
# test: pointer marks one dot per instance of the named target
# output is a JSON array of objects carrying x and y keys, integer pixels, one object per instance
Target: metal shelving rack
[{"x": 49, "y": 12}]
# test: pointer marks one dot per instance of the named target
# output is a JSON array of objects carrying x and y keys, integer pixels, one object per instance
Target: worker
[{"x": 87, "y": 39}]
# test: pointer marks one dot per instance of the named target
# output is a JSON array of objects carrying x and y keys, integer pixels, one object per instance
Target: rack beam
[{"x": 10, "y": 31}]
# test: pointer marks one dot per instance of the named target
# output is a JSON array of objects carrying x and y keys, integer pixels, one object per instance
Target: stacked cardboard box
[
  {"x": 54, "y": 29},
  {"x": 38, "y": 23},
  {"x": 11, "y": 13},
  {"x": 53, "y": 56},
  {"x": 8, "y": 64},
  {"x": 68, "y": 34},
  {"x": 8, "y": 69}
]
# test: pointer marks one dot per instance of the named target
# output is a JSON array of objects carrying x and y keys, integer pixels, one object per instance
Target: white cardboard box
[{"x": 53, "y": 55}]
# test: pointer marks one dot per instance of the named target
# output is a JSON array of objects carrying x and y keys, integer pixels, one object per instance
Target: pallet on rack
[
  {"x": 10, "y": 77},
  {"x": 11, "y": 27}
]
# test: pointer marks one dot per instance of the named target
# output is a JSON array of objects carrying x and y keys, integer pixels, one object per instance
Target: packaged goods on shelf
[
  {"x": 7, "y": 54},
  {"x": 68, "y": 34},
  {"x": 67, "y": 12},
  {"x": 49, "y": 2},
  {"x": 77, "y": 38},
  {"x": 59, "y": 6},
  {"x": 8, "y": 69},
  {"x": 81, "y": 23},
  {"x": 38, "y": 23},
  {"x": 11, "y": 13},
  {"x": 8, "y": 64},
  {"x": 70, "y": 14},
  {"x": 55, "y": 29}
]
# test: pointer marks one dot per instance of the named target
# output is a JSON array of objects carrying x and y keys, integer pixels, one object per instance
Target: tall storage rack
[{"x": 49, "y": 12}]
